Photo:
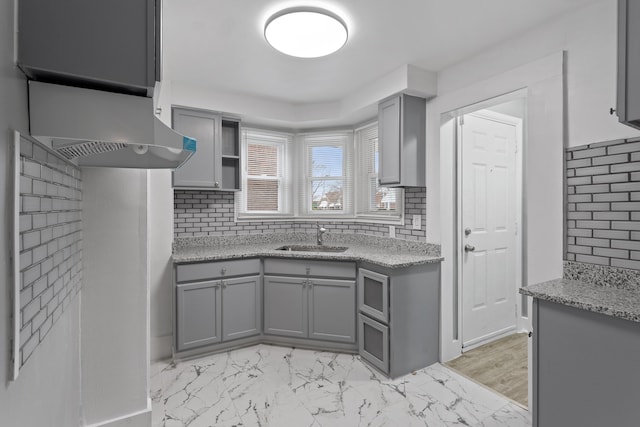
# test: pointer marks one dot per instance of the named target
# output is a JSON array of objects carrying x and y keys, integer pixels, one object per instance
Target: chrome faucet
[{"x": 320, "y": 230}]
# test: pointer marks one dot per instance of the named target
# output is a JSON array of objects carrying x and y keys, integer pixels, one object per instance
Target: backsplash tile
[
  {"x": 603, "y": 203},
  {"x": 50, "y": 241},
  {"x": 211, "y": 213}
]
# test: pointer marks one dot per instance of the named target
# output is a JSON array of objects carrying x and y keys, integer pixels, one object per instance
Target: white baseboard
[{"x": 140, "y": 418}]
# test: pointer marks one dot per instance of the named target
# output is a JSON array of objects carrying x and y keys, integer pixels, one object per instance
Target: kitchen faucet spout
[{"x": 320, "y": 230}]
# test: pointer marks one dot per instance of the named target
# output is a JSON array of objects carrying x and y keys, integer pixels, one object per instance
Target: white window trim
[
  {"x": 296, "y": 180},
  {"x": 284, "y": 196},
  {"x": 362, "y": 183}
]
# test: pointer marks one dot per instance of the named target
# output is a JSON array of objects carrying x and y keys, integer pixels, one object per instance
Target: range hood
[{"x": 104, "y": 129}]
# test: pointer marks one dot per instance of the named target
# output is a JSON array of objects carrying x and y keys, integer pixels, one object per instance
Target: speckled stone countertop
[
  {"x": 385, "y": 252},
  {"x": 593, "y": 292}
]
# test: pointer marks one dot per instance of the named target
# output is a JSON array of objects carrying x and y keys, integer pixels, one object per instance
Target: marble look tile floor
[{"x": 266, "y": 385}]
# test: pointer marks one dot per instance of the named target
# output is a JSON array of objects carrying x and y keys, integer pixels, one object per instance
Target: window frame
[
  {"x": 282, "y": 142},
  {"x": 363, "y": 183},
  {"x": 305, "y": 142}
]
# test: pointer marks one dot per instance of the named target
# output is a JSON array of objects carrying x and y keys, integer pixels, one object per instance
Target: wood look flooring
[{"x": 500, "y": 365}]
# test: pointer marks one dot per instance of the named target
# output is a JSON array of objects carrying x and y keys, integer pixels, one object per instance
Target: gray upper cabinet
[
  {"x": 216, "y": 162},
  {"x": 242, "y": 307},
  {"x": 285, "y": 306},
  {"x": 198, "y": 314},
  {"x": 628, "y": 105},
  {"x": 332, "y": 310},
  {"x": 401, "y": 141},
  {"x": 109, "y": 45}
]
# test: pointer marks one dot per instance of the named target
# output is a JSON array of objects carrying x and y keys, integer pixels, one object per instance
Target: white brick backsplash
[
  {"x": 51, "y": 241},
  {"x": 603, "y": 203},
  {"x": 202, "y": 213}
]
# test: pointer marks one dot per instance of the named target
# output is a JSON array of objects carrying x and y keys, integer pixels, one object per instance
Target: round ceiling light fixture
[{"x": 306, "y": 32}]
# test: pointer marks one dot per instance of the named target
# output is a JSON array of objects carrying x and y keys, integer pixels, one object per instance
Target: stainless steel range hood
[{"x": 104, "y": 129}]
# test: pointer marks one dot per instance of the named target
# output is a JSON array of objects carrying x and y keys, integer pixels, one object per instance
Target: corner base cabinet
[
  {"x": 399, "y": 317},
  {"x": 302, "y": 302}
]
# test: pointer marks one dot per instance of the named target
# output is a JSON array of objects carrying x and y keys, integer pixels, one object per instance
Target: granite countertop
[
  {"x": 385, "y": 252},
  {"x": 616, "y": 301}
]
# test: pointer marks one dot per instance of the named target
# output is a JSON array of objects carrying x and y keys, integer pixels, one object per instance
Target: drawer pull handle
[{"x": 223, "y": 271}]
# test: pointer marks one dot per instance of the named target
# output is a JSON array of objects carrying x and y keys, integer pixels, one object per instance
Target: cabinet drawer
[
  {"x": 212, "y": 270},
  {"x": 373, "y": 342},
  {"x": 298, "y": 267},
  {"x": 373, "y": 294}
]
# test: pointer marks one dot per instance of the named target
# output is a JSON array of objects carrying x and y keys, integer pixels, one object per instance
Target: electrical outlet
[
  {"x": 416, "y": 222},
  {"x": 392, "y": 231}
]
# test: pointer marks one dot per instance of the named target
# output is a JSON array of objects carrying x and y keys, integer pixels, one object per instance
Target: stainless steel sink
[{"x": 312, "y": 248}]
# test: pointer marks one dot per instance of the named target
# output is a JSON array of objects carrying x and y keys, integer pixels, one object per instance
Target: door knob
[{"x": 469, "y": 248}]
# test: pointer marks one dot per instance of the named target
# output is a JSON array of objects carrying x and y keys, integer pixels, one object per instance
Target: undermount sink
[{"x": 312, "y": 248}]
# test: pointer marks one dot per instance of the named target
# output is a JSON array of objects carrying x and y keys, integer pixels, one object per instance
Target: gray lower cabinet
[
  {"x": 332, "y": 310},
  {"x": 285, "y": 306},
  {"x": 198, "y": 312},
  {"x": 585, "y": 368},
  {"x": 211, "y": 307},
  {"x": 241, "y": 307},
  {"x": 399, "y": 317},
  {"x": 315, "y": 308}
]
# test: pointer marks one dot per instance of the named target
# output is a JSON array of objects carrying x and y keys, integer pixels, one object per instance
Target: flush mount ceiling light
[{"x": 306, "y": 32}]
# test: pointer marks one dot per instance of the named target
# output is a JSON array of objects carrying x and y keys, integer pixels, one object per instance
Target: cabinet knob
[
  {"x": 308, "y": 269},
  {"x": 223, "y": 271},
  {"x": 216, "y": 184},
  {"x": 216, "y": 285},
  {"x": 224, "y": 285},
  {"x": 310, "y": 283}
]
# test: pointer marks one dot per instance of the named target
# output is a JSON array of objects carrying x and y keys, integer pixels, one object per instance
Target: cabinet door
[
  {"x": 241, "y": 307},
  {"x": 198, "y": 314},
  {"x": 202, "y": 169},
  {"x": 285, "y": 306},
  {"x": 628, "y": 105},
  {"x": 389, "y": 141},
  {"x": 332, "y": 310},
  {"x": 96, "y": 44}
]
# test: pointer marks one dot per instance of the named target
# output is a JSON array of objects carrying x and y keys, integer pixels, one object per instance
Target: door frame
[{"x": 522, "y": 323}]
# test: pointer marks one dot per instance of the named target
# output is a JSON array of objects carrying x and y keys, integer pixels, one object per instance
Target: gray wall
[
  {"x": 603, "y": 209},
  {"x": 46, "y": 392},
  {"x": 50, "y": 242},
  {"x": 202, "y": 213},
  {"x": 115, "y": 307}
]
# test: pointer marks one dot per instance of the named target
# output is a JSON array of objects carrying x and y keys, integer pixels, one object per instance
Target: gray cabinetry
[
  {"x": 299, "y": 303},
  {"x": 401, "y": 137},
  {"x": 399, "y": 317},
  {"x": 628, "y": 104},
  {"x": 198, "y": 311},
  {"x": 109, "y": 45},
  {"x": 285, "y": 306},
  {"x": 216, "y": 163},
  {"x": 332, "y": 310},
  {"x": 242, "y": 307},
  {"x": 585, "y": 368},
  {"x": 217, "y": 302}
]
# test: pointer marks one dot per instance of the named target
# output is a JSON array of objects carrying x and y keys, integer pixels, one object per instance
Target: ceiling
[{"x": 219, "y": 44}]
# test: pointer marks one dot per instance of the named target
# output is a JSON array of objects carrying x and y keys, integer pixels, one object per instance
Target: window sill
[{"x": 359, "y": 219}]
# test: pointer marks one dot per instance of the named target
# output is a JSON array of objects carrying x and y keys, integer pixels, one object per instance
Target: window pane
[
  {"x": 327, "y": 195},
  {"x": 262, "y": 195},
  {"x": 326, "y": 161},
  {"x": 262, "y": 160},
  {"x": 383, "y": 198}
]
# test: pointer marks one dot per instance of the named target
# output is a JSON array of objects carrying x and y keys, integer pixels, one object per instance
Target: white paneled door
[{"x": 489, "y": 228}]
